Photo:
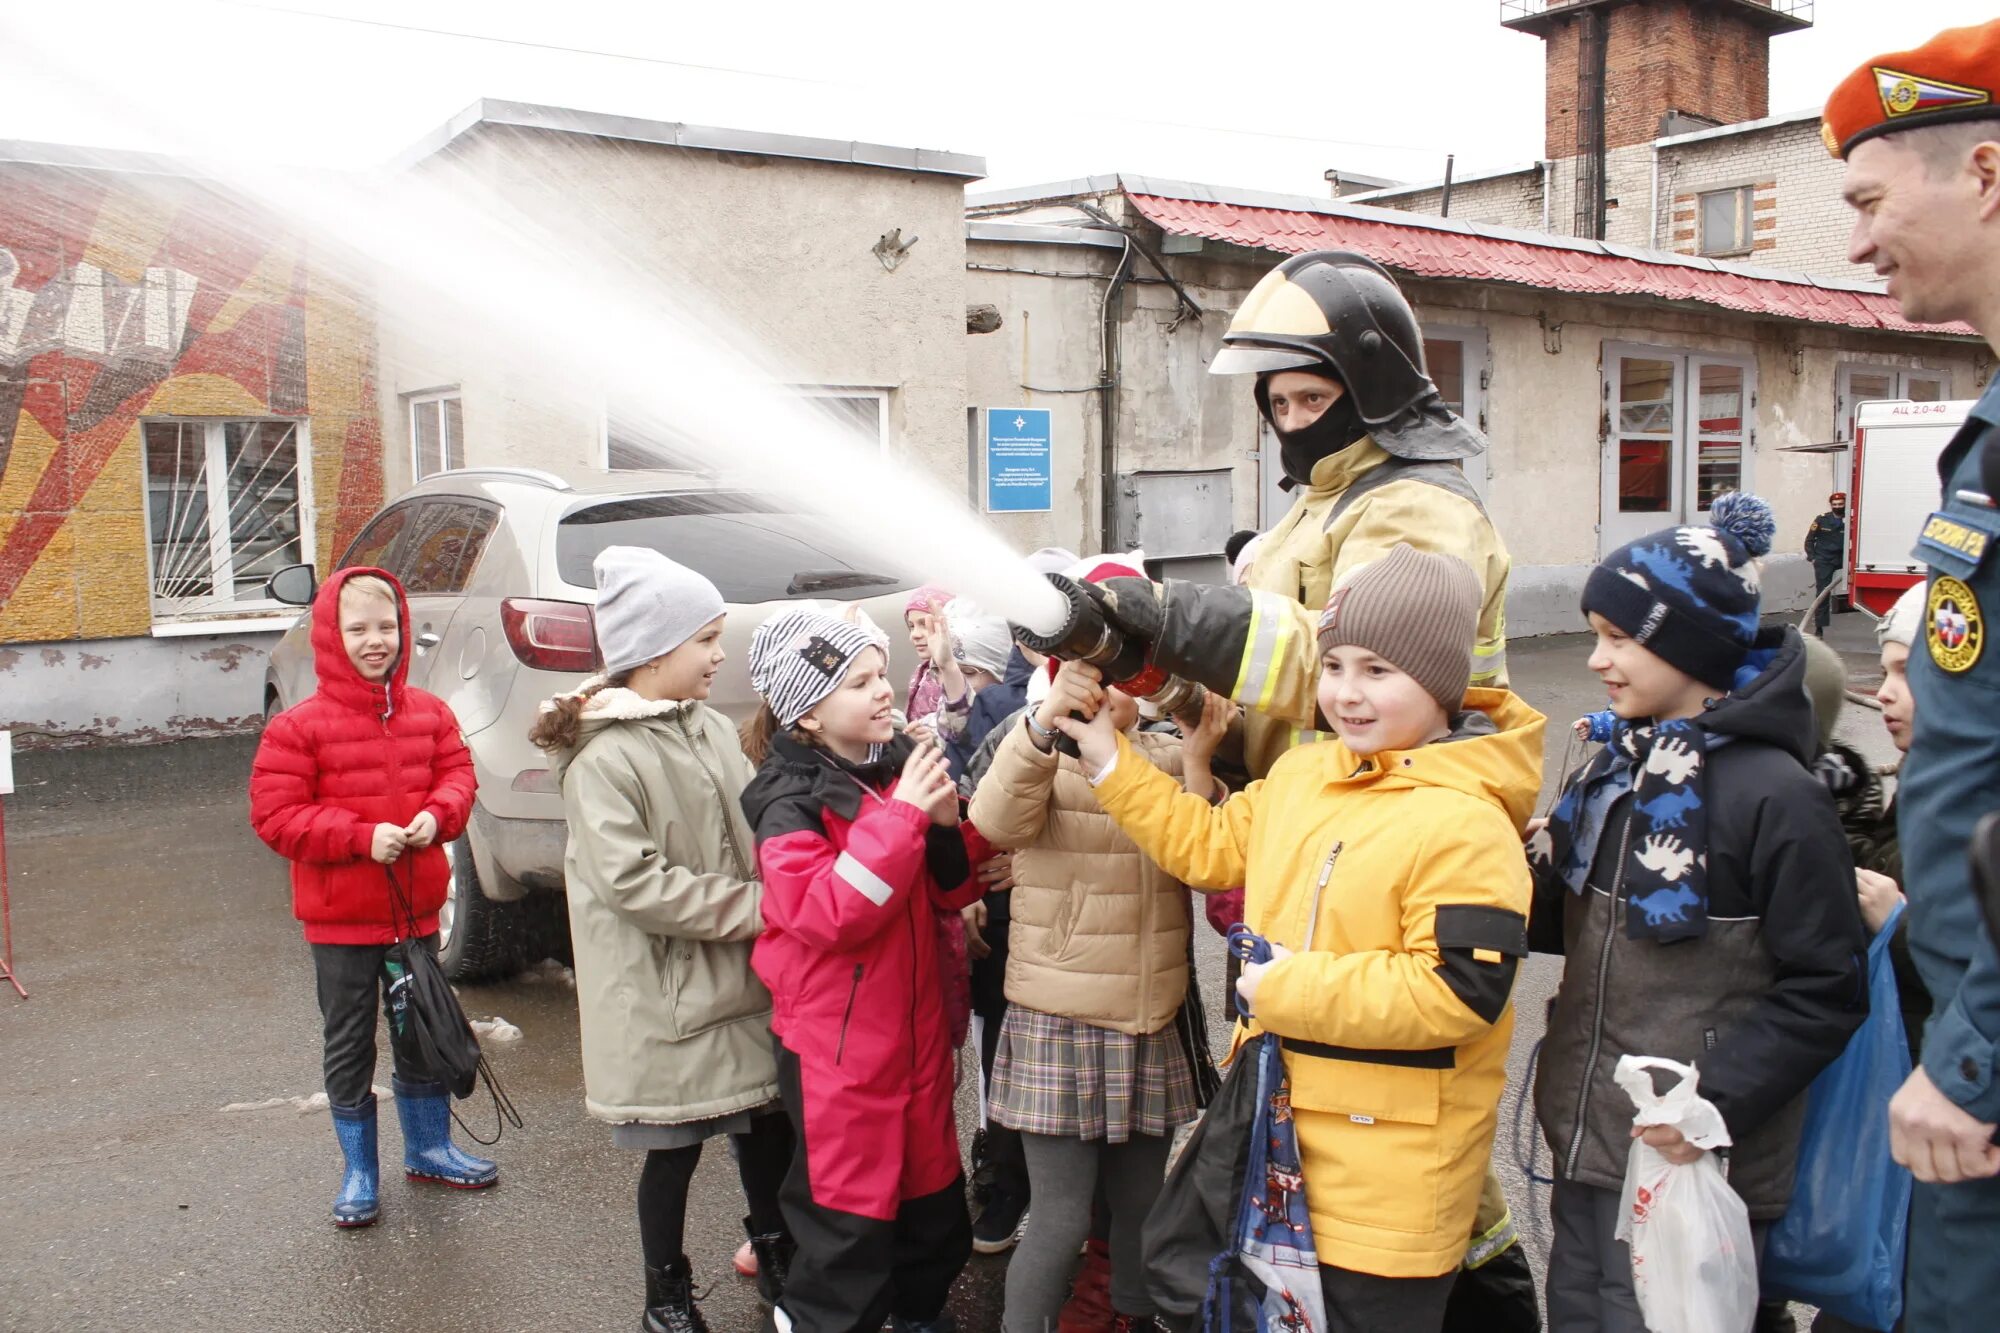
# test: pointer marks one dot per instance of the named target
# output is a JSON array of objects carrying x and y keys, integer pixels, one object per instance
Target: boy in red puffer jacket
[{"x": 364, "y": 779}]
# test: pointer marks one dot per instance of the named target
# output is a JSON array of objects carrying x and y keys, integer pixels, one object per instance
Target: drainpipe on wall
[
  {"x": 1548, "y": 181},
  {"x": 1107, "y": 404},
  {"x": 1653, "y": 204}
]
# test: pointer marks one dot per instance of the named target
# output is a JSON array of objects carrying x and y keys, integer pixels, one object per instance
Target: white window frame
[
  {"x": 434, "y": 398},
  {"x": 215, "y": 611},
  {"x": 1746, "y": 208},
  {"x": 1615, "y": 528},
  {"x": 1475, "y": 357},
  {"x": 880, "y": 395}
]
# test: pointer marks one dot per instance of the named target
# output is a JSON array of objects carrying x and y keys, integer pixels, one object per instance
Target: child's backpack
[{"x": 1229, "y": 1245}]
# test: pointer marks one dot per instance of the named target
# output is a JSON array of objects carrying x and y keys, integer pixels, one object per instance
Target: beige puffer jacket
[
  {"x": 664, "y": 905},
  {"x": 1100, "y": 933}
]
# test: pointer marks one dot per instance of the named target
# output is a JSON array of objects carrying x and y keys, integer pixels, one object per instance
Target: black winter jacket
[{"x": 1760, "y": 1003}]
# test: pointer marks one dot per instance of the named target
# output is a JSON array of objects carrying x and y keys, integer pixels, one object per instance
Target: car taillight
[{"x": 550, "y": 636}]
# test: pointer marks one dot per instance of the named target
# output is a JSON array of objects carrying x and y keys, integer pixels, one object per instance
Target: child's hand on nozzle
[
  {"x": 421, "y": 831},
  {"x": 1217, "y": 716},
  {"x": 926, "y": 784},
  {"x": 388, "y": 843},
  {"x": 1077, "y": 688},
  {"x": 1096, "y": 740},
  {"x": 1252, "y": 976}
]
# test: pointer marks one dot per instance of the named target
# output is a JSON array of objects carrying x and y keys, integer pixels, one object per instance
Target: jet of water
[{"x": 539, "y": 289}]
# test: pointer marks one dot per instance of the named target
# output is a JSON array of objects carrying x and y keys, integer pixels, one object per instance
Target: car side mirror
[{"x": 294, "y": 585}]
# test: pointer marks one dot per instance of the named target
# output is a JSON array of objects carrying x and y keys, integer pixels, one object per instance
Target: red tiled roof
[{"x": 1434, "y": 252}]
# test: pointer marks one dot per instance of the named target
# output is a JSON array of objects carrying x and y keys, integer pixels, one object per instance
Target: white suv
[{"x": 497, "y": 566}]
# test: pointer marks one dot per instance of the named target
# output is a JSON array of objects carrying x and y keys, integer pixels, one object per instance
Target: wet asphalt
[{"x": 169, "y": 981}]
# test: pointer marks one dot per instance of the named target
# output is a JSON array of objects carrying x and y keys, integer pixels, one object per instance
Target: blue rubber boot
[
  {"x": 357, "y": 1204},
  {"x": 428, "y": 1152}
]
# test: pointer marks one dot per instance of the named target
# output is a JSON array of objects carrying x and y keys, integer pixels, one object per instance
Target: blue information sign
[{"x": 1017, "y": 460}]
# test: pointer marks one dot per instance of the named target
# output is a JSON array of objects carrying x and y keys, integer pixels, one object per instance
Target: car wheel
[{"x": 478, "y": 939}]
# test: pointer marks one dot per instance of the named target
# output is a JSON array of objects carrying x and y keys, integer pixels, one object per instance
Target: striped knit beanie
[
  {"x": 798, "y": 657},
  {"x": 1415, "y": 610}
]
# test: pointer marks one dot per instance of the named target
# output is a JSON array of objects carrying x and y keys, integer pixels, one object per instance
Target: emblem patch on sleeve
[{"x": 1954, "y": 628}]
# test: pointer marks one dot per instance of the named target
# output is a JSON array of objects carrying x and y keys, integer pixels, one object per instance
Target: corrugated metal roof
[{"x": 1472, "y": 253}]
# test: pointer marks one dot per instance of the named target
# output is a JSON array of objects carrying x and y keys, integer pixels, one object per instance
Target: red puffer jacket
[
  {"x": 850, "y": 953},
  {"x": 351, "y": 756}
]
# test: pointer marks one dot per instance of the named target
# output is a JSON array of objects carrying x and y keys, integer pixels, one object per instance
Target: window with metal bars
[{"x": 227, "y": 506}]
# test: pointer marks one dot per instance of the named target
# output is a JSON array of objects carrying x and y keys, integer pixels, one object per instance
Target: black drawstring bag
[
  {"x": 420, "y": 996},
  {"x": 1192, "y": 1225}
]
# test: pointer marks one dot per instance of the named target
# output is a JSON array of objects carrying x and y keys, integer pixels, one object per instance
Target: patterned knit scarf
[{"x": 1665, "y": 875}]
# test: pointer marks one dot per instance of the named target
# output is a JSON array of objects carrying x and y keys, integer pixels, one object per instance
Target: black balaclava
[{"x": 1337, "y": 427}]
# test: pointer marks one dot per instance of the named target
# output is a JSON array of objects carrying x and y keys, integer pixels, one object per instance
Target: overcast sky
[{"x": 1223, "y": 94}]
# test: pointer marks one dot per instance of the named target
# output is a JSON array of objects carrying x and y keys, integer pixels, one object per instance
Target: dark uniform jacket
[
  {"x": 1760, "y": 1003},
  {"x": 1826, "y": 539},
  {"x": 1952, "y": 774}
]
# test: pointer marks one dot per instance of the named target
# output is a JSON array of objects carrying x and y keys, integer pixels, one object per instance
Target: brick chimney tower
[{"x": 1623, "y": 72}]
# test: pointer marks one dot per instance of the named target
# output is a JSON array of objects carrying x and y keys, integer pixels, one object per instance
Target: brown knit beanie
[{"x": 1415, "y": 610}]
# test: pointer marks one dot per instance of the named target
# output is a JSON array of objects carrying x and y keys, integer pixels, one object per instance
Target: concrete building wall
[
  {"x": 1170, "y": 413},
  {"x": 776, "y": 248}
]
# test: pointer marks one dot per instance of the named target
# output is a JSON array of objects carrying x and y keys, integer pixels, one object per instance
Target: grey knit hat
[
  {"x": 977, "y": 639},
  {"x": 1905, "y": 618},
  {"x": 647, "y": 605},
  {"x": 1413, "y": 609},
  {"x": 798, "y": 657}
]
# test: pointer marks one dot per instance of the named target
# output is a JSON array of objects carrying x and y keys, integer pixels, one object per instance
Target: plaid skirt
[{"x": 1065, "y": 1078}]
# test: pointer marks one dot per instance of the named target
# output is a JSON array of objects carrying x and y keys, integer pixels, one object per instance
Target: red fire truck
[{"x": 1894, "y": 489}]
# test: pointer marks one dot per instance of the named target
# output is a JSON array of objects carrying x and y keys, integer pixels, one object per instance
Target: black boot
[
  {"x": 670, "y": 1306},
  {"x": 774, "y": 1253}
]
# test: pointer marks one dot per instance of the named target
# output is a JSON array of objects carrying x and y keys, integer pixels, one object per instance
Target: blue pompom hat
[{"x": 1690, "y": 594}]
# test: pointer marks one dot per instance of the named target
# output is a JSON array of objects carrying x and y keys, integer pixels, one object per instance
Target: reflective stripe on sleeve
[
  {"x": 862, "y": 880},
  {"x": 1270, "y": 627}
]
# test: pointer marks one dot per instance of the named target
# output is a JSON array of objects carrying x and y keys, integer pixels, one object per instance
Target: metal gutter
[
  {"x": 1041, "y": 233},
  {"x": 1740, "y": 127},
  {"x": 707, "y": 138}
]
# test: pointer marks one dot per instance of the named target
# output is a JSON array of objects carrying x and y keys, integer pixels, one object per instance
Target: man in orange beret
[{"x": 1920, "y": 132}]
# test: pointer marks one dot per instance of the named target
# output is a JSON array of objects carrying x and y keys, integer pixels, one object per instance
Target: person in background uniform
[
  {"x": 1920, "y": 133},
  {"x": 1826, "y": 547}
]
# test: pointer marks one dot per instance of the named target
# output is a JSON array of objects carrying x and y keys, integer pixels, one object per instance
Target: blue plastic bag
[{"x": 1840, "y": 1244}]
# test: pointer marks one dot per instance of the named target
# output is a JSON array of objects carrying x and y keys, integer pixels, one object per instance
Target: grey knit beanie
[
  {"x": 977, "y": 639},
  {"x": 1415, "y": 610},
  {"x": 647, "y": 605}
]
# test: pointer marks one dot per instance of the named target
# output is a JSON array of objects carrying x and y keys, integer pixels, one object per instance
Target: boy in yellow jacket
[{"x": 1385, "y": 868}]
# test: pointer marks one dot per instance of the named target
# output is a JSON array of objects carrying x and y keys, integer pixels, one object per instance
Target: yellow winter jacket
[
  {"x": 1352, "y": 513},
  {"x": 1400, "y": 886}
]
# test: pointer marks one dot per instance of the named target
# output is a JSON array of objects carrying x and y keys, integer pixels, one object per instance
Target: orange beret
[{"x": 1953, "y": 76}]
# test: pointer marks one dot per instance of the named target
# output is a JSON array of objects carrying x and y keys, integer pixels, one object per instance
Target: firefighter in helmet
[{"x": 1373, "y": 457}]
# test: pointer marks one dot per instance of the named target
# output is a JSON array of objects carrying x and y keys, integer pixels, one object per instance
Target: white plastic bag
[{"x": 1694, "y": 1265}]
